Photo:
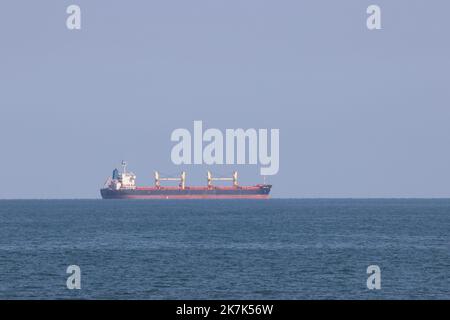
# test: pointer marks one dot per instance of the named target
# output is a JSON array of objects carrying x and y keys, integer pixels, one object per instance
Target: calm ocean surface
[{"x": 208, "y": 249}]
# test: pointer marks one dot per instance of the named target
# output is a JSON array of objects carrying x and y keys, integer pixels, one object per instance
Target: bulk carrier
[{"x": 122, "y": 185}]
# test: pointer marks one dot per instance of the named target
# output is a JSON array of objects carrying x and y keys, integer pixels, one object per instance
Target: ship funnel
[{"x": 115, "y": 174}]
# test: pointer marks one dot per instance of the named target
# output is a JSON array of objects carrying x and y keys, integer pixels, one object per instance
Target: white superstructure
[{"x": 123, "y": 180}]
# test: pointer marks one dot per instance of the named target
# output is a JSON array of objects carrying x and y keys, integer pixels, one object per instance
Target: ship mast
[{"x": 124, "y": 167}]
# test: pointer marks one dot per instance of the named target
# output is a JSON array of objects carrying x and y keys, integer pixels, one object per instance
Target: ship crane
[
  {"x": 182, "y": 180},
  {"x": 234, "y": 178}
]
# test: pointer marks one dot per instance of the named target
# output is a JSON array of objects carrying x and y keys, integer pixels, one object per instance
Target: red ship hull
[
  {"x": 193, "y": 197},
  {"x": 250, "y": 192}
]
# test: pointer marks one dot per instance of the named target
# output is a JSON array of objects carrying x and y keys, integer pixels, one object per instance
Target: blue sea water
[{"x": 208, "y": 249}]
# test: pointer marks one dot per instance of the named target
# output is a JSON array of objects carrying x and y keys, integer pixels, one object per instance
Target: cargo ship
[{"x": 122, "y": 185}]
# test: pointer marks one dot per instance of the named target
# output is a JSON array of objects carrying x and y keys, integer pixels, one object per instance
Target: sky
[{"x": 360, "y": 113}]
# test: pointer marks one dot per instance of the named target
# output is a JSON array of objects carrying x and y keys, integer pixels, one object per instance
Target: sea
[{"x": 225, "y": 249}]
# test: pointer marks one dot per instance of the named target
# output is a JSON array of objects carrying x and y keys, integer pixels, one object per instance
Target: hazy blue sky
[{"x": 361, "y": 113}]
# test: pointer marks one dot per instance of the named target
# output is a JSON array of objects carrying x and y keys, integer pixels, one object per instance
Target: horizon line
[{"x": 271, "y": 198}]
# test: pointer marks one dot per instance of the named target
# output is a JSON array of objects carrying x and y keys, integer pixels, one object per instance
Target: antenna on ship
[{"x": 124, "y": 166}]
